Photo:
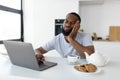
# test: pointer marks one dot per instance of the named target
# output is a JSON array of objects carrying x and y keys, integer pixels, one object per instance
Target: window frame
[{"x": 12, "y": 10}]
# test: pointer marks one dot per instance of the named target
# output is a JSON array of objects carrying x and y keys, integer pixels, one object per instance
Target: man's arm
[
  {"x": 81, "y": 49},
  {"x": 41, "y": 50}
]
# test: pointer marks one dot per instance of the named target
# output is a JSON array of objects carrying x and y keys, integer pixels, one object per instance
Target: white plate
[{"x": 96, "y": 72}]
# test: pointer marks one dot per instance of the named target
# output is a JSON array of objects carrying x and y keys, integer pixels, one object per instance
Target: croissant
[{"x": 86, "y": 68}]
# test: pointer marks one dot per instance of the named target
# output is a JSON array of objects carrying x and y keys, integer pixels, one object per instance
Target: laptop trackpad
[{"x": 46, "y": 64}]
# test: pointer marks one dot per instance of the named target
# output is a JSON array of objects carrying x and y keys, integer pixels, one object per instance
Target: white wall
[
  {"x": 98, "y": 17},
  {"x": 39, "y": 17}
]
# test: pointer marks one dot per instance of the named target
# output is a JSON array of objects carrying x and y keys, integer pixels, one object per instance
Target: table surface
[{"x": 63, "y": 71}]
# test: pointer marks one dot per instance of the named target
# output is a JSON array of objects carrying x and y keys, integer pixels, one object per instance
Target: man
[{"x": 70, "y": 41}]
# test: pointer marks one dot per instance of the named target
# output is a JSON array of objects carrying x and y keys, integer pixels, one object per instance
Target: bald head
[{"x": 75, "y": 14}]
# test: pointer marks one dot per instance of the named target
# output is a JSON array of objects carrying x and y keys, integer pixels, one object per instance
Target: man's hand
[
  {"x": 40, "y": 57},
  {"x": 74, "y": 31}
]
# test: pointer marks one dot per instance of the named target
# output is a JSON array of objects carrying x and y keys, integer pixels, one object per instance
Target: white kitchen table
[{"x": 64, "y": 71}]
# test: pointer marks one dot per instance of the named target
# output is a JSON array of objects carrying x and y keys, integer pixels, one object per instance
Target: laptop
[{"x": 22, "y": 54}]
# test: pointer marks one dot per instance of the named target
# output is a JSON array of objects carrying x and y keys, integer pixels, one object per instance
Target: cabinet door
[{"x": 114, "y": 33}]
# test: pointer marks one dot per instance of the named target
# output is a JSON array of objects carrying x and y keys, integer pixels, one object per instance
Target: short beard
[{"x": 66, "y": 33}]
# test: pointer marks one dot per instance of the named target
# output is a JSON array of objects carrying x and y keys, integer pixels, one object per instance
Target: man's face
[{"x": 69, "y": 24}]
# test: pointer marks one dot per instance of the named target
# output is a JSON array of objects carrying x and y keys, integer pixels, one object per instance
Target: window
[{"x": 11, "y": 20}]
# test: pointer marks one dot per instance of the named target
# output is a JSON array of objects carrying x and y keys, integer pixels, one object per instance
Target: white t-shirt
[{"x": 63, "y": 47}]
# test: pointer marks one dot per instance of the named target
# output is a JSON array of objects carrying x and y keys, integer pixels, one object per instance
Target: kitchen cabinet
[{"x": 114, "y": 33}]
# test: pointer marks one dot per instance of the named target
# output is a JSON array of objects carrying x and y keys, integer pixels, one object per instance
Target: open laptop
[{"x": 22, "y": 54}]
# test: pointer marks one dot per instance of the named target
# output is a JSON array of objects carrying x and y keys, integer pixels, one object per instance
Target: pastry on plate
[
  {"x": 80, "y": 68},
  {"x": 86, "y": 68}
]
